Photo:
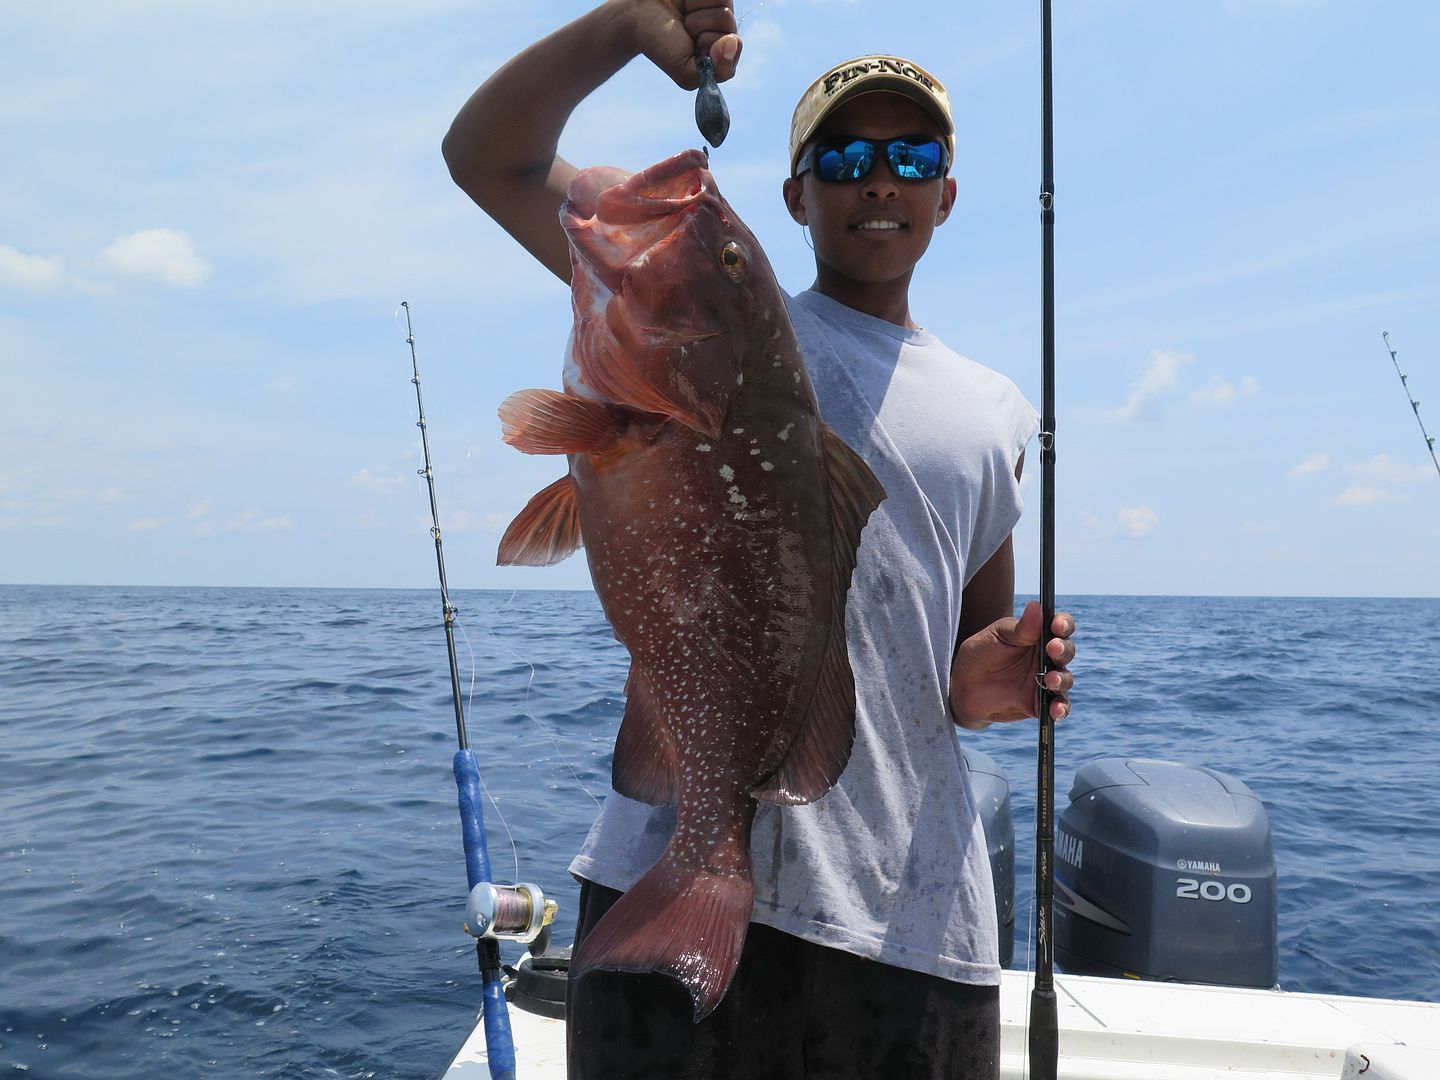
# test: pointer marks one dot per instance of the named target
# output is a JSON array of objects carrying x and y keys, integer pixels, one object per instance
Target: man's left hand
[{"x": 993, "y": 677}]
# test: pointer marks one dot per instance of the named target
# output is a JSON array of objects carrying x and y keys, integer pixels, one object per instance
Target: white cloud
[
  {"x": 1362, "y": 495},
  {"x": 380, "y": 481},
  {"x": 1136, "y": 521},
  {"x": 146, "y": 524},
  {"x": 1159, "y": 378},
  {"x": 200, "y": 509},
  {"x": 162, "y": 254},
  {"x": 1221, "y": 392},
  {"x": 251, "y": 521},
  {"x": 1313, "y": 463},
  {"x": 1383, "y": 469},
  {"x": 29, "y": 271},
  {"x": 114, "y": 495},
  {"x": 1131, "y": 521}
]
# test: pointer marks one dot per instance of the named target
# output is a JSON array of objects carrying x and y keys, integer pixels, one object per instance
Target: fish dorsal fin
[
  {"x": 549, "y": 422},
  {"x": 645, "y": 761},
  {"x": 546, "y": 531},
  {"x": 821, "y": 748}
]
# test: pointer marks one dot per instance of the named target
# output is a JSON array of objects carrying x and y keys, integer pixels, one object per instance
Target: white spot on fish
[
  {"x": 704, "y": 447},
  {"x": 766, "y": 466},
  {"x": 738, "y": 431},
  {"x": 784, "y": 433},
  {"x": 727, "y": 473},
  {"x": 740, "y": 379},
  {"x": 754, "y": 451}
]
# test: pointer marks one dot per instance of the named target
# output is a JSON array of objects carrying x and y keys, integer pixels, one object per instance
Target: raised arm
[{"x": 501, "y": 147}]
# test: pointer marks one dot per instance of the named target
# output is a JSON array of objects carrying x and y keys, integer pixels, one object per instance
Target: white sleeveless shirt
[{"x": 890, "y": 864}]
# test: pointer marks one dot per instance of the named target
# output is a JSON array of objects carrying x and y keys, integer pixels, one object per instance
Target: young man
[{"x": 873, "y": 945}]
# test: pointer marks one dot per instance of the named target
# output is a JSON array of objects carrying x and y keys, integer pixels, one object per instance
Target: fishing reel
[{"x": 508, "y": 912}]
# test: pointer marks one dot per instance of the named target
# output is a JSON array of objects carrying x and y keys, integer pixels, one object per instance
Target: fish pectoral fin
[
  {"x": 821, "y": 748},
  {"x": 546, "y": 531},
  {"x": 645, "y": 760},
  {"x": 549, "y": 422}
]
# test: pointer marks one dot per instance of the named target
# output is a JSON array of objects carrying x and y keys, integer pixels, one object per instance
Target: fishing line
[
  {"x": 529, "y": 714},
  {"x": 742, "y": 19},
  {"x": 469, "y": 702},
  {"x": 526, "y": 709}
]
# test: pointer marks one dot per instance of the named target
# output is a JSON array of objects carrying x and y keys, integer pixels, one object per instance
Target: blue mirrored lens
[
  {"x": 916, "y": 160},
  {"x": 845, "y": 161}
]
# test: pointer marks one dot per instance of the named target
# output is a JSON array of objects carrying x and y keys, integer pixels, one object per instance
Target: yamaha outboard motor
[
  {"x": 1165, "y": 871},
  {"x": 992, "y": 796}
]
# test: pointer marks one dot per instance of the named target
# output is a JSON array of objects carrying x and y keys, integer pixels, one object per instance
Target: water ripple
[{"x": 230, "y": 838}]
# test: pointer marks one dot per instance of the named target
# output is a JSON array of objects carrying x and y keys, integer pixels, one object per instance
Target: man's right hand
[
  {"x": 501, "y": 148},
  {"x": 672, "y": 33}
]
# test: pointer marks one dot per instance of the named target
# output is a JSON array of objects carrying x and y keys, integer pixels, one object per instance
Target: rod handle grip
[
  {"x": 1044, "y": 1035},
  {"x": 472, "y": 818},
  {"x": 499, "y": 1043}
]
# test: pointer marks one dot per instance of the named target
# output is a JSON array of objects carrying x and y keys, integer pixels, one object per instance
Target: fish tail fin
[{"x": 688, "y": 925}]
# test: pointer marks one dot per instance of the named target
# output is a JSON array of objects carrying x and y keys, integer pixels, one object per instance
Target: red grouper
[{"x": 721, "y": 518}]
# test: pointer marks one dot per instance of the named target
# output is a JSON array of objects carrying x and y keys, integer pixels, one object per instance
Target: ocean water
[{"x": 229, "y": 845}]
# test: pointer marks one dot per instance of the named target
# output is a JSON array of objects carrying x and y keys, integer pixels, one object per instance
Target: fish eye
[{"x": 732, "y": 260}]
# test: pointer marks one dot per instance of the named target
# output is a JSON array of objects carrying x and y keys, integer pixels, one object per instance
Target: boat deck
[{"x": 1115, "y": 1029}]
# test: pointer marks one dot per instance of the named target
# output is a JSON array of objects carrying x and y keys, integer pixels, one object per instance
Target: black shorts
[{"x": 795, "y": 1010}]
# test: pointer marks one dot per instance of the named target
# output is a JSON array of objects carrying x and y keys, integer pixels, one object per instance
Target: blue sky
[{"x": 209, "y": 214}]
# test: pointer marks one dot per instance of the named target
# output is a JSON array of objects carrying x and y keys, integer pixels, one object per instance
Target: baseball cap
[{"x": 867, "y": 75}]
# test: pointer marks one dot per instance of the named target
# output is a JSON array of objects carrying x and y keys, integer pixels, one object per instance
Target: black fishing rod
[
  {"x": 1044, "y": 1021},
  {"x": 512, "y": 912},
  {"x": 1414, "y": 405}
]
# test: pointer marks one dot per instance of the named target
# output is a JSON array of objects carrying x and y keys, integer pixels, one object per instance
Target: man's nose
[{"x": 880, "y": 185}]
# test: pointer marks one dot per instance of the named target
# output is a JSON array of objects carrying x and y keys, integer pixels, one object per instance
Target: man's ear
[
  {"x": 794, "y": 193},
  {"x": 947, "y": 200}
]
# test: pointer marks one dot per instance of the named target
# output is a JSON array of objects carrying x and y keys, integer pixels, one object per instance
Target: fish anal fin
[
  {"x": 645, "y": 760},
  {"x": 680, "y": 922},
  {"x": 821, "y": 748},
  {"x": 549, "y": 422},
  {"x": 546, "y": 531}
]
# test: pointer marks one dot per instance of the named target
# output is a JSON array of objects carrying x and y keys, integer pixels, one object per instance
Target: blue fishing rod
[
  {"x": 1044, "y": 1031},
  {"x": 512, "y": 912}
]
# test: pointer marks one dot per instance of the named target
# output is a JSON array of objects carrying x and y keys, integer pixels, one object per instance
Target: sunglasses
[{"x": 849, "y": 157}]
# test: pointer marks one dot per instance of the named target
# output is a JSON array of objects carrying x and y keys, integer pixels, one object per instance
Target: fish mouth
[
  {"x": 617, "y": 222},
  {"x": 613, "y": 198}
]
